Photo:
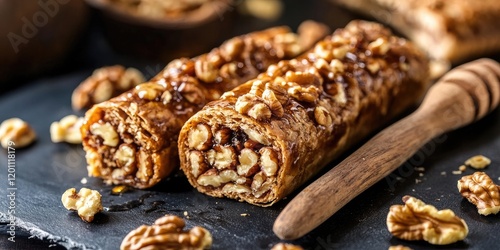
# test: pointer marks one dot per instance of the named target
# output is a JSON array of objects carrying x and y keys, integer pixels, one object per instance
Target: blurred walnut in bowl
[
  {"x": 36, "y": 35},
  {"x": 164, "y": 29}
]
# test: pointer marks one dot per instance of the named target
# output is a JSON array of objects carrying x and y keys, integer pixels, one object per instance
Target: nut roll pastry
[
  {"x": 265, "y": 138},
  {"x": 132, "y": 139},
  {"x": 454, "y": 30}
]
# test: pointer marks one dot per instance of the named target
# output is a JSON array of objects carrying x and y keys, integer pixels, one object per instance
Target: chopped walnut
[
  {"x": 253, "y": 107},
  {"x": 322, "y": 116},
  {"x": 373, "y": 67},
  {"x": 478, "y": 162},
  {"x": 192, "y": 92},
  {"x": 286, "y": 246},
  {"x": 257, "y": 88},
  {"x": 418, "y": 221},
  {"x": 149, "y": 91},
  {"x": 254, "y": 135},
  {"x": 67, "y": 130},
  {"x": 268, "y": 161},
  {"x": 103, "y": 84},
  {"x": 16, "y": 133},
  {"x": 106, "y": 132},
  {"x": 324, "y": 50},
  {"x": 379, "y": 46},
  {"x": 224, "y": 157},
  {"x": 272, "y": 101},
  {"x": 248, "y": 162},
  {"x": 86, "y": 202},
  {"x": 232, "y": 48},
  {"x": 167, "y": 232},
  {"x": 340, "y": 52},
  {"x": 309, "y": 94},
  {"x": 260, "y": 111},
  {"x": 481, "y": 191},
  {"x": 205, "y": 70},
  {"x": 200, "y": 137}
]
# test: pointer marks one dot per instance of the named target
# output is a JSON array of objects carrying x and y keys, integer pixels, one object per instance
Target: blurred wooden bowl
[
  {"x": 36, "y": 35},
  {"x": 190, "y": 34}
]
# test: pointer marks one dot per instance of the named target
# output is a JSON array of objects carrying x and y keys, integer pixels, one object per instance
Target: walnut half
[
  {"x": 418, "y": 221},
  {"x": 87, "y": 202},
  {"x": 67, "y": 130},
  {"x": 16, "y": 133},
  {"x": 480, "y": 190},
  {"x": 167, "y": 233}
]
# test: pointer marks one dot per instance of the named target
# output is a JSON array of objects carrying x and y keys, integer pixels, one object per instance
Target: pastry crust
[
  {"x": 132, "y": 139},
  {"x": 453, "y": 30},
  {"x": 268, "y": 136}
]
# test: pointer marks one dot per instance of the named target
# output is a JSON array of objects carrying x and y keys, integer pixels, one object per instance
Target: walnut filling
[
  {"x": 239, "y": 161},
  {"x": 123, "y": 160}
]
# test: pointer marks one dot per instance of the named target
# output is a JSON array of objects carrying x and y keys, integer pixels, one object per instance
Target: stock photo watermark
[
  {"x": 11, "y": 191},
  {"x": 408, "y": 168},
  {"x": 31, "y": 26}
]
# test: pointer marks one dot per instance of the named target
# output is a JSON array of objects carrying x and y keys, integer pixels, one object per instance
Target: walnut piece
[
  {"x": 205, "y": 70},
  {"x": 322, "y": 116},
  {"x": 16, "y": 133},
  {"x": 149, "y": 91},
  {"x": 253, "y": 106},
  {"x": 67, "y": 130},
  {"x": 379, "y": 46},
  {"x": 418, "y": 221},
  {"x": 309, "y": 94},
  {"x": 106, "y": 132},
  {"x": 86, "y": 202},
  {"x": 480, "y": 190},
  {"x": 167, "y": 232},
  {"x": 103, "y": 84},
  {"x": 248, "y": 162},
  {"x": 286, "y": 246},
  {"x": 478, "y": 162},
  {"x": 268, "y": 161}
]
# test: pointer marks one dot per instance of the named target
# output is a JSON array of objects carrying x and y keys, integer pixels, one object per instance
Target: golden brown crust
[
  {"x": 132, "y": 139},
  {"x": 103, "y": 84},
  {"x": 304, "y": 112},
  {"x": 447, "y": 29}
]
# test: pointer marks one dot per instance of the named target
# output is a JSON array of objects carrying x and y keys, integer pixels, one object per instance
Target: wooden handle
[{"x": 449, "y": 104}]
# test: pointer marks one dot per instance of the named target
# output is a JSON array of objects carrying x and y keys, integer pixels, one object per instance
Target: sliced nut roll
[
  {"x": 276, "y": 131},
  {"x": 132, "y": 139}
]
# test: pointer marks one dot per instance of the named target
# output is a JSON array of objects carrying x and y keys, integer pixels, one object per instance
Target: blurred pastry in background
[
  {"x": 166, "y": 9},
  {"x": 164, "y": 29},
  {"x": 37, "y": 35},
  {"x": 454, "y": 30}
]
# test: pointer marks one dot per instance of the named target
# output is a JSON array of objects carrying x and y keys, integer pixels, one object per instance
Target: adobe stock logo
[
  {"x": 408, "y": 168},
  {"x": 49, "y": 9}
]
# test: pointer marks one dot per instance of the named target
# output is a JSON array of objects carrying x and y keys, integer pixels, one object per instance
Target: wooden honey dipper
[{"x": 464, "y": 95}]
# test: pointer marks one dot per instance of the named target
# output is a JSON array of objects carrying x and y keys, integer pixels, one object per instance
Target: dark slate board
[{"x": 45, "y": 170}]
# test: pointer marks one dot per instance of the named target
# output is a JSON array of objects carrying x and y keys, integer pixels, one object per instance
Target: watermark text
[{"x": 11, "y": 191}]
